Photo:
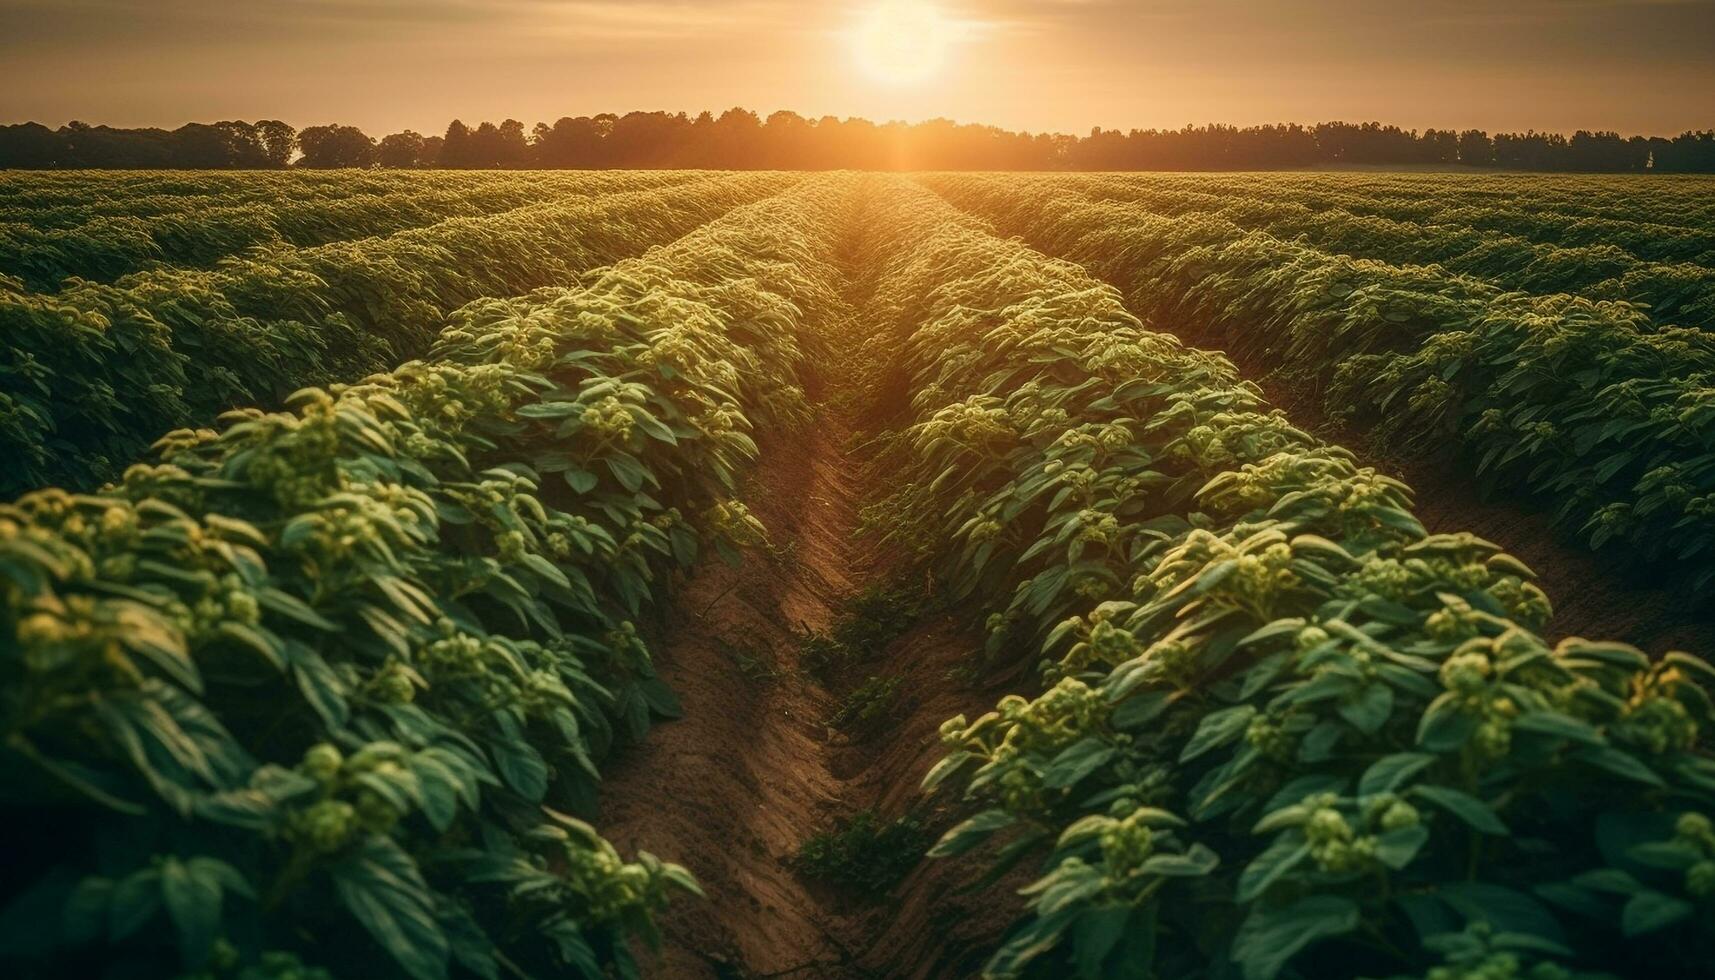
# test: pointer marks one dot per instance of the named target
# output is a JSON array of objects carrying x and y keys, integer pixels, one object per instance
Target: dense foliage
[
  {"x": 92, "y": 373},
  {"x": 104, "y": 227},
  {"x": 324, "y": 690},
  {"x": 332, "y": 678},
  {"x": 1284, "y": 731},
  {"x": 1584, "y": 402}
]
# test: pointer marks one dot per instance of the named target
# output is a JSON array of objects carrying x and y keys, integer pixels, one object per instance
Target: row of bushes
[
  {"x": 327, "y": 684},
  {"x": 1285, "y": 732},
  {"x": 91, "y": 374},
  {"x": 1487, "y": 243},
  {"x": 1602, "y": 416},
  {"x": 201, "y": 229}
]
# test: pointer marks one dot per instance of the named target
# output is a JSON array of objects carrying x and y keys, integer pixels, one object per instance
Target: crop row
[
  {"x": 1585, "y": 405},
  {"x": 1559, "y": 209},
  {"x": 54, "y": 198},
  {"x": 1285, "y": 731},
  {"x": 1659, "y": 220},
  {"x": 1679, "y": 290},
  {"x": 91, "y": 374},
  {"x": 107, "y": 247},
  {"x": 327, "y": 679}
]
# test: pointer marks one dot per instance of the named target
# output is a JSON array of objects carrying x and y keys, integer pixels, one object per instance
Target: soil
[{"x": 752, "y": 769}]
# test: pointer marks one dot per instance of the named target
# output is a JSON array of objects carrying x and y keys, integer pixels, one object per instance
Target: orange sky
[{"x": 1631, "y": 65}]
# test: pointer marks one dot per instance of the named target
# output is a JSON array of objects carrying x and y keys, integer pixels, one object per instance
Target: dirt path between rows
[{"x": 733, "y": 789}]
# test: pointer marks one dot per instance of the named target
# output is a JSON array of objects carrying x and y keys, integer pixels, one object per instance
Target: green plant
[
  {"x": 866, "y": 625},
  {"x": 328, "y": 678},
  {"x": 94, "y": 372},
  {"x": 865, "y": 854},
  {"x": 1285, "y": 731},
  {"x": 868, "y": 705},
  {"x": 1590, "y": 395}
]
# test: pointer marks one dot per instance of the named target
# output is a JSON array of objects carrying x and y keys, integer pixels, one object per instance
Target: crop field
[{"x": 415, "y": 575}]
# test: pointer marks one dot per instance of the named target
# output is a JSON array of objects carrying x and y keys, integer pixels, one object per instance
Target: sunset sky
[{"x": 1066, "y": 65}]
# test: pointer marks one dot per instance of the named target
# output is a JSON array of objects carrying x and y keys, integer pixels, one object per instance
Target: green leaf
[
  {"x": 136, "y": 899},
  {"x": 1473, "y": 811},
  {"x": 193, "y": 901},
  {"x": 1026, "y": 944},
  {"x": 1288, "y": 850},
  {"x": 1270, "y": 938},
  {"x": 1386, "y": 774},
  {"x": 971, "y": 833},
  {"x": 1218, "y": 728},
  {"x": 1396, "y": 848},
  {"x": 520, "y": 766},
  {"x": 1652, "y": 911},
  {"x": 1097, "y": 930},
  {"x": 1195, "y": 862},
  {"x": 382, "y": 888},
  {"x": 1507, "y": 909},
  {"x": 1075, "y": 762},
  {"x": 1445, "y": 725},
  {"x": 1370, "y": 710},
  {"x": 1556, "y": 724},
  {"x": 1620, "y": 763}
]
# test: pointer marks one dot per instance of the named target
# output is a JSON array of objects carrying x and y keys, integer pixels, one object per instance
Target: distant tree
[
  {"x": 738, "y": 138},
  {"x": 512, "y": 150},
  {"x": 401, "y": 150},
  {"x": 456, "y": 148},
  {"x": 1689, "y": 152},
  {"x": 1476, "y": 149},
  {"x": 1439, "y": 146},
  {"x": 1604, "y": 152},
  {"x": 327, "y": 147},
  {"x": 29, "y": 145},
  {"x": 278, "y": 142},
  {"x": 569, "y": 143},
  {"x": 1531, "y": 151}
]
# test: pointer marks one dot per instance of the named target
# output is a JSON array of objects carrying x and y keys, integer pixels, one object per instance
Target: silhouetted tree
[
  {"x": 1476, "y": 149},
  {"x": 456, "y": 148},
  {"x": 512, "y": 150},
  {"x": 738, "y": 139},
  {"x": 326, "y": 147},
  {"x": 401, "y": 150},
  {"x": 278, "y": 141}
]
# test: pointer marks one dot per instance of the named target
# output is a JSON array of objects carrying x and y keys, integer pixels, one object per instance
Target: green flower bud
[{"x": 322, "y": 762}]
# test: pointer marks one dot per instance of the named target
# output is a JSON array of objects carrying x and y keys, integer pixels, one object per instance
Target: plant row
[
  {"x": 1654, "y": 220},
  {"x": 56, "y": 199},
  {"x": 107, "y": 247},
  {"x": 337, "y": 678},
  {"x": 1585, "y": 405},
  {"x": 1664, "y": 219},
  {"x": 1283, "y": 731},
  {"x": 91, "y": 374},
  {"x": 1678, "y": 291}
]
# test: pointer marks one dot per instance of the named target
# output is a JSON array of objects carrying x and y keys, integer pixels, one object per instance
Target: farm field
[{"x": 412, "y": 575}]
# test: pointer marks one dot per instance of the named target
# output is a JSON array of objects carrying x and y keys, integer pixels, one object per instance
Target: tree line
[{"x": 739, "y": 139}]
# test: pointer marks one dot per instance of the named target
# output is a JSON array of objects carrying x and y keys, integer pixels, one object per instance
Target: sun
[{"x": 900, "y": 42}]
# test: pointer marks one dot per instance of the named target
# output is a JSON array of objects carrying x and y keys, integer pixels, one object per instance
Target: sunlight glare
[{"x": 900, "y": 42}]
